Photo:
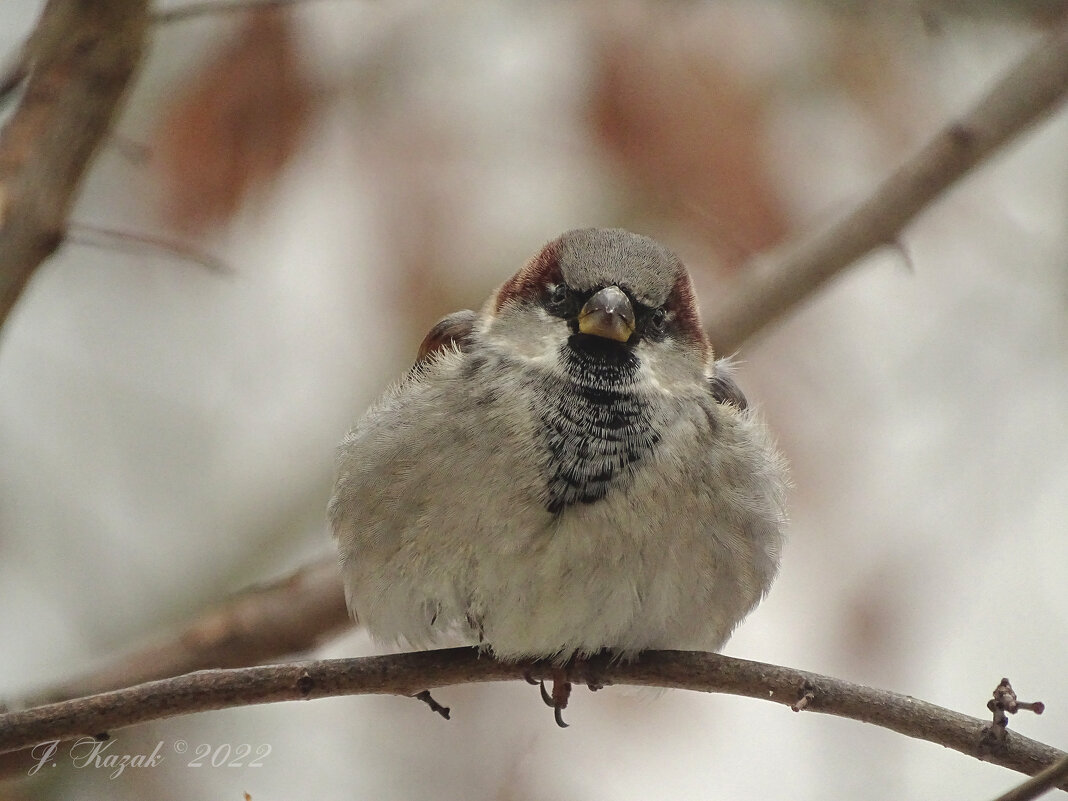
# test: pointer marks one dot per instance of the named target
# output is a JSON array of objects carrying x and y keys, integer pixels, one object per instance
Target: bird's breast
[{"x": 597, "y": 429}]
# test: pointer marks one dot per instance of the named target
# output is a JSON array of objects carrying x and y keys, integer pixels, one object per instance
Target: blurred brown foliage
[
  {"x": 689, "y": 129},
  {"x": 232, "y": 127}
]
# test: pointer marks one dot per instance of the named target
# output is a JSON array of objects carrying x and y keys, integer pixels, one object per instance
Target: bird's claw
[
  {"x": 559, "y": 718},
  {"x": 557, "y": 699},
  {"x": 545, "y": 696}
]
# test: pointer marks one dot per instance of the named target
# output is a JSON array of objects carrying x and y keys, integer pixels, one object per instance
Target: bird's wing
[
  {"x": 453, "y": 330},
  {"x": 724, "y": 389}
]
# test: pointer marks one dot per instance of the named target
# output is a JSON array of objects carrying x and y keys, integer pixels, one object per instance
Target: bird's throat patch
[{"x": 598, "y": 429}]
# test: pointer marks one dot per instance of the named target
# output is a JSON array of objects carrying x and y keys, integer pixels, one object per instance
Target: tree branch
[
  {"x": 225, "y": 636},
  {"x": 205, "y": 8},
  {"x": 290, "y": 616},
  {"x": 407, "y": 674},
  {"x": 1053, "y": 776},
  {"x": 78, "y": 63},
  {"x": 774, "y": 285}
]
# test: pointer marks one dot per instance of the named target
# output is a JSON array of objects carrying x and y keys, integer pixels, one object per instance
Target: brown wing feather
[
  {"x": 724, "y": 390},
  {"x": 452, "y": 330}
]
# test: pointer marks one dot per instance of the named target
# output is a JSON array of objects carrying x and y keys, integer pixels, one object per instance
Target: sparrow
[{"x": 569, "y": 470}]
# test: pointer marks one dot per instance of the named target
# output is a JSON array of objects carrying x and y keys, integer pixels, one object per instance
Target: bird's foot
[{"x": 559, "y": 696}]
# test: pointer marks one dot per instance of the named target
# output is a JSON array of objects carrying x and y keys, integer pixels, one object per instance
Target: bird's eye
[
  {"x": 658, "y": 321},
  {"x": 558, "y": 296}
]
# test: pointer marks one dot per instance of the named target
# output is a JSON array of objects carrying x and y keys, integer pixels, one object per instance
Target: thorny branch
[{"x": 410, "y": 674}]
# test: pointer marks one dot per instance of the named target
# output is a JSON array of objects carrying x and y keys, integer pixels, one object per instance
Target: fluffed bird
[{"x": 567, "y": 471}]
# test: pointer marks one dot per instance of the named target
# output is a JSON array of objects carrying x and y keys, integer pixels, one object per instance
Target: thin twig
[
  {"x": 774, "y": 285},
  {"x": 409, "y": 674},
  {"x": 83, "y": 54},
  {"x": 114, "y": 239},
  {"x": 289, "y": 616},
  {"x": 283, "y": 618},
  {"x": 13, "y": 73},
  {"x": 1053, "y": 776},
  {"x": 212, "y": 7}
]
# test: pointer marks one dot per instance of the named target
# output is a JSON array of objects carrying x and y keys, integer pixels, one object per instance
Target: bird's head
[{"x": 594, "y": 297}]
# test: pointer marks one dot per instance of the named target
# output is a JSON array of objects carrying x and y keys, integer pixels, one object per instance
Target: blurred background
[{"x": 362, "y": 168}]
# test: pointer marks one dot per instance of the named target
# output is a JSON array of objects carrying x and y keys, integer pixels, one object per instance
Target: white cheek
[
  {"x": 531, "y": 334},
  {"x": 650, "y": 378},
  {"x": 667, "y": 368}
]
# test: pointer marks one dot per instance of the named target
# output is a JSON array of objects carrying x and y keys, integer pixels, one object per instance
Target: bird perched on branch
[{"x": 566, "y": 471}]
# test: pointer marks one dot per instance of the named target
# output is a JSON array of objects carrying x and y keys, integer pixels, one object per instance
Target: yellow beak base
[{"x": 608, "y": 314}]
